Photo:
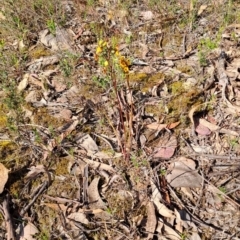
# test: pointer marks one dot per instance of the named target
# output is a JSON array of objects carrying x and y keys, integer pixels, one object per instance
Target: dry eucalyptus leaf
[
  {"x": 202, "y": 130},
  {"x": 59, "y": 86},
  {"x": 179, "y": 222},
  {"x": 165, "y": 147},
  {"x": 202, "y": 9},
  {"x": 183, "y": 174},
  {"x": 3, "y": 177},
  {"x": 171, "y": 233},
  {"x": 156, "y": 126},
  {"x": 214, "y": 127},
  {"x": 147, "y": 15},
  {"x": 156, "y": 195},
  {"x": 28, "y": 232},
  {"x": 151, "y": 221},
  {"x": 56, "y": 206},
  {"x": 95, "y": 200},
  {"x": 163, "y": 210},
  {"x": 88, "y": 144},
  {"x": 160, "y": 225},
  {"x": 79, "y": 217},
  {"x": 64, "y": 114},
  {"x": 195, "y": 236},
  {"x": 2, "y": 17},
  {"x": 23, "y": 84},
  {"x": 59, "y": 41}
]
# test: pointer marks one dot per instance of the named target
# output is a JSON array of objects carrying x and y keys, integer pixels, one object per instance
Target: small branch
[{"x": 4, "y": 208}]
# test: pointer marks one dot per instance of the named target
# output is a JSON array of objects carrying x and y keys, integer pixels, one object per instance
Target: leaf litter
[{"x": 148, "y": 161}]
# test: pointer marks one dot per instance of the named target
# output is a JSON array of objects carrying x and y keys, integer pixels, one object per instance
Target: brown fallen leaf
[
  {"x": 94, "y": 197},
  {"x": 172, "y": 125},
  {"x": 147, "y": 15},
  {"x": 165, "y": 147},
  {"x": 2, "y": 17},
  {"x": 158, "y": 126},
  {"x": 151, "y": 221},
  {"x": 23, "y": 84},
  {"x": 214, "y": 127},
  {"x": 183, "y": 174},
  {"x": 79, "y": 217},
  {"x": 87, "y": 142},
  {"x": 202, "y": 130},
  {"x": 3, "y": 177},
  {"x": 202, "y": 8},
  {"x": 56, "y": 206},
  {"x": 64, "y": 114},
  {"x": 28, "y": 232}
]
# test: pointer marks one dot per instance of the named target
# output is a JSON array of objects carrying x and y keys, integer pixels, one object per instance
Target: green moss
[
  {"x": 157, "y": 77},
  {"x": 176, "y": 88},
  {"x": 137, "y": 77},
  {"x": 38, "y": 52},
  {"x": 7, "y": 149},
  {"x": 62, "y": 167},
  {"x": 42, "y": 117},
  {"x": 3, "y": 121},
  {"x": 16, "y": 188},
  {"x": 185, "y": 69},
  {"x": 145, "y": 82},
  {"x": 155, "y": 110},
  {"x": 181, "y": 104}
]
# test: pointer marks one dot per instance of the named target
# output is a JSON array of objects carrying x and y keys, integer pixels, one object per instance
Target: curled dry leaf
[
  {"x": 160, "y": 225},
  {"x": 151, "y": 221},
  {"x": 163, "y": 210},
  {"x": 94, "y": 197},
  {"x": 179, "y": 222},
  {"x": 3, "y": 177},
  {"x": 156, "y": 195},
  {"x": 183, "y": 174},
  {"x": 165, "y": 147},
  {"x": 171, "y": 233}
]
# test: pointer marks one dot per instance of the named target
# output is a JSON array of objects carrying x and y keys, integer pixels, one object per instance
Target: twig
[
  {"x": 214, "y": 157},
  {"x": 4, "y": 208},
  {"x": 24, "y": 210}
]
